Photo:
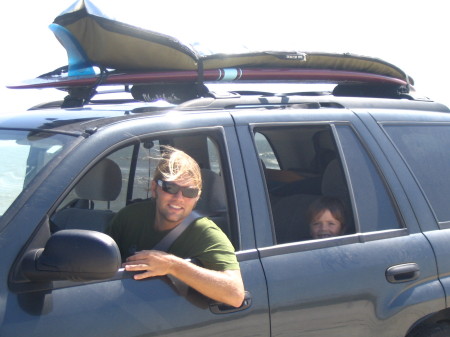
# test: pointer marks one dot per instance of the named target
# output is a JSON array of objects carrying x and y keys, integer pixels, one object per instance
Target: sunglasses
[{"x": 172, "y": 188}]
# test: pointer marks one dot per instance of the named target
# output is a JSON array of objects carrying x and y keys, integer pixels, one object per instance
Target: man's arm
[{"x": 223, "y": 286}]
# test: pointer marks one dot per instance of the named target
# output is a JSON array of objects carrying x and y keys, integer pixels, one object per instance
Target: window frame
[
  {"x": 368, "y": 235},
  {"x": 348, "y": 238},
  {"x": 216, "y": 134}
]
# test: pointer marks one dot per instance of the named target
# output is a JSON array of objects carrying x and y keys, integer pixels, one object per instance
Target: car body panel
[
  {"x": 134, "y": 307},
  {"x": 437, "y": 235},
  {"x": 325, "y": 287},
  {"x": 306, "y": 301}
]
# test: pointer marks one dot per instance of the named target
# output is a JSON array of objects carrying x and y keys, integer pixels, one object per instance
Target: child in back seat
[{"x": 326, "y": 218}]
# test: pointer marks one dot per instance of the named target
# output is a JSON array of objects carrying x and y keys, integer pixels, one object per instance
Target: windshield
[{"x": 24, "y": 154}]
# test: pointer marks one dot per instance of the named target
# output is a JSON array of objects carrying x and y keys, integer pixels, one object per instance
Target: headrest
[
  {"x": 324, "y": 140},
  {"x": 325, "y": 149},
  {"x": 333, "y": 181},
  {"x": 103, "y": 182},
  {"x": 290, "y": 215},
  {"x": 213, "y": 197}
]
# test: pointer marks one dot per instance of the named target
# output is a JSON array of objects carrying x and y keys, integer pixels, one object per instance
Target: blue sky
[{"x": 410, "y": 34}]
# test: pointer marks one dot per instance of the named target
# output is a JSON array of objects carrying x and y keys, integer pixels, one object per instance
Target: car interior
[
  {"x": 124, "y": 177},
  {"x": 301, "y": 164}
]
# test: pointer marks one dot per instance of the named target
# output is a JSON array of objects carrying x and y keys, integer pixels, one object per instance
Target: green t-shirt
[{"x": 133, "y": 230}]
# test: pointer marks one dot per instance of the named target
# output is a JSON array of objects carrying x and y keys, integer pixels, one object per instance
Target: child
[{"x": 326, "y": 218}]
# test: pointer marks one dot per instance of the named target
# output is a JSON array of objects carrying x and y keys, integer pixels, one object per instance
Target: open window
[
  {"x": 309, "y": 173},
  {"x": 124, "y": 177}
]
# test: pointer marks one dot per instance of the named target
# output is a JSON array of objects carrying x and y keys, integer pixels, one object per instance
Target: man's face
[
  {"x": 325, "y": 225},
  {"x": 171, "y": 209}
]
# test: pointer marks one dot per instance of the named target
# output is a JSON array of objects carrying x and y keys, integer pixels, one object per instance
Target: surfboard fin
[{"x": 78, "y": 62}]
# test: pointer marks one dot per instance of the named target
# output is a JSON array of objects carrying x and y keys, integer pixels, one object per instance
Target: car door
[
  {"x": 369, "y": 281},
  {"x": 425, "y": 157},
  {"x": 122, "y": 306}
]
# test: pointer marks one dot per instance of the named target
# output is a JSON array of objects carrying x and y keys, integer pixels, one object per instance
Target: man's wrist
[{"x": 177, "y": 264}]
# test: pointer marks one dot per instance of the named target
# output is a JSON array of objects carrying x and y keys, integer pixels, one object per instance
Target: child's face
[{"x": 325, "y": 226}]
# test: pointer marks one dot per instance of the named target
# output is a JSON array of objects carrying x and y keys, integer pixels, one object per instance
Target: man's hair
[
  {"x": 178, "y": 165},
  {"x": 334, "y": 205}
]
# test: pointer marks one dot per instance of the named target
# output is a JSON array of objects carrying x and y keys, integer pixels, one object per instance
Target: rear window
[{"x": 426, "y": 149}]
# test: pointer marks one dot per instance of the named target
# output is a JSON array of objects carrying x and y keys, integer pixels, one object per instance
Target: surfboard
[
  {"x": 210, "y": 75},
  {"x": 118, "y": 45},
  {"x": 102, "y": 51}
]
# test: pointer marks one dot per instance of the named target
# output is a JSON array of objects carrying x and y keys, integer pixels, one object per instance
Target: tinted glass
[
  {"x": 374, "y": 204},
  {"x": 426, "y": 149}
]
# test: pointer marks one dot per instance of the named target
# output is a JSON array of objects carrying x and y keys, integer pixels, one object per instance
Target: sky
[{"x": 413, "y": 35}]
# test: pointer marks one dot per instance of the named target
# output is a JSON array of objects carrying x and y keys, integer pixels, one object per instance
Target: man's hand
[
  {"x": 152, "y": 262},
  {"x": 223, "y": 286}
]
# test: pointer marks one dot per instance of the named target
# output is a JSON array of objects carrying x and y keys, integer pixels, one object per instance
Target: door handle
[
  {"x": 221, "y": 308},
  {"x": 403, "y": 272}
]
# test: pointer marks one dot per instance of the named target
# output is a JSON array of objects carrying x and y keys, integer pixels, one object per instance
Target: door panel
[
  {"x": 122, "y": 306},
  {"x": 338, "y": 286},
  {"x": 342, "y": 289},
  {"x": 126, "y": 307},
  {"x": 424, "y": 148}
]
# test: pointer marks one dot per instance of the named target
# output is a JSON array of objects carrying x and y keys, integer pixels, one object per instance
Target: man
[{"x": 176, "y": 188}]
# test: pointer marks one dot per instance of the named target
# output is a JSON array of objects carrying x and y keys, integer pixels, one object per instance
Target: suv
[
  {"x": 265, "y": 157},
  {"x": 267, "y": 151}
]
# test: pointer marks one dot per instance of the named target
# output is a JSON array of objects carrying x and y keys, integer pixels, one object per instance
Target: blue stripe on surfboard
[
  {"x": 79, "y": 64},
  {"x": 231, "y": 74}
]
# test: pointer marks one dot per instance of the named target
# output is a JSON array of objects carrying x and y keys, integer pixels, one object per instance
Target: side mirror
[{"x": 75, "y": 255}]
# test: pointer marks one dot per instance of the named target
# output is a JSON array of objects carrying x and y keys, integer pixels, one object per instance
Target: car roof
[
  {"x": 78, "y": 120},
  {"x": 75, "y": 120}
]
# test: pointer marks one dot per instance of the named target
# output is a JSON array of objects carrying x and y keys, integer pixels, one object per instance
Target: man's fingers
[
  {"x": 135, "y": 262},
  {"x": 136, "y": 258},
  {"x": 139, "y": 255},
  {"x": 137, "y": 267},
  {"x": 141, "y": 276},
  {"x": 140, "y": 267}
]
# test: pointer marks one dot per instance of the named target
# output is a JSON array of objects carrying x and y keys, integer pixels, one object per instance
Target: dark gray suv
[
  {"x": 265, "y": 157},
  {"x": 285, "y": 130}
]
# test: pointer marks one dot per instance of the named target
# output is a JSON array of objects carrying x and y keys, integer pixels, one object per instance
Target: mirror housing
[{"x": 74, "y": 255}]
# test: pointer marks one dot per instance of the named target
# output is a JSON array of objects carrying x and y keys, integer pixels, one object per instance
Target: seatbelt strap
[{"x": 170, "y": 238}]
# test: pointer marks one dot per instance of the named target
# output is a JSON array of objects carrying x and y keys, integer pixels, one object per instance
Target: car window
[
  {"x": 213, "y": 156},
  {"x": 304, "y": 155},
  {"x": 124, "y": 177},
  {"x": 101, "y": 180},
  {"x": 266, "y": 153},
  {"x": 310, "y": 180},
  {"x": 426, "y": 149},
  {"x": 24, "y": 154},
  {"x": 146, "y": 159},
  {"x": 376, "y": 209}
]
